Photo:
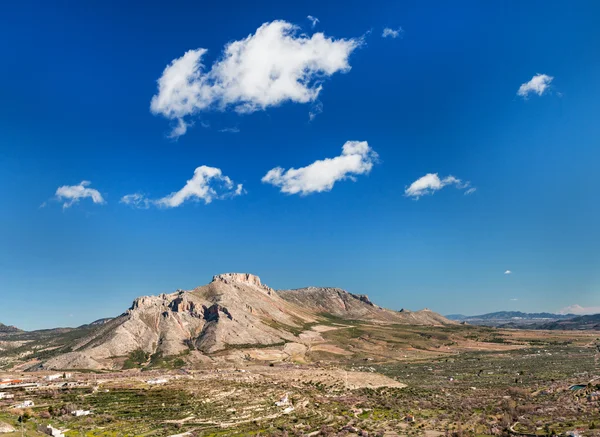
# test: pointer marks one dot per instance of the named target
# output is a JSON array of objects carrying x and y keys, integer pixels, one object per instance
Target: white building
[
  {"x": 4, "y": 395},
  {"x": 25, "y": 404},
  {"x": 157, "y": 381},
  {"x": 54, "y": 432},
  {"x": 78, "y": 413},
  {"x": 53, "y": 377}
]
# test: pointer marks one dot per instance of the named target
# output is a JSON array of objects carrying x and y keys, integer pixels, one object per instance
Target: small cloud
[
  {"x": 179, "y": 129},
  {"x": 470, "y": 191},
  {"x": 316, "y": 109},
  {"x": 392, "y": 33},
  {"x": 71, "y": 194},
  {"x": 579, "y": 310},
  {"x": 207, "y": 184},
  {"x": 136, "y": 200},
  {"x": 313, "y": 20},
  {"x": 508, "y": 272},
  {"x": 537, "y": 85},
  {"x": 357, "y": 158},
  {"x": 514, "y": 299},
  {"x": 231, "y": 130},
  {"x": 431, "y": 182}
]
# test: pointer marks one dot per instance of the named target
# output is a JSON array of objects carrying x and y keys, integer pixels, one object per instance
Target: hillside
[
  {"x": 234, "y": 311},
  {"x": 5, "y": 329},
  {"x": 339, "y": 303},
  {"x": 580, "y": 323}
]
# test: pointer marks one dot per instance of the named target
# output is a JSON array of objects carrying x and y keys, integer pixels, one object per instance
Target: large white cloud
[
  {"x": 431, "y": 182},
  {"x": 207, "y": 184},
  {"x": 274, "y": 65},
  {"x": 70, "y": 194},
  {"x": 537, "y": 85},
  {"x": 357, "y": 158}
]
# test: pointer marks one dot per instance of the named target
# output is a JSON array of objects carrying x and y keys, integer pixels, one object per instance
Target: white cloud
[
  {"x": 316, "y": 109},
  {"x": 274, "y": 65},
  {"x": 508, "y": 272},
  {"x": 392, "y": 33},
  {"x": 470, "y": 191},
  {"x": 579, "y": 310},
  {"x": 357, "y": 158},
  {"x": 136, "y": 200},
  {"x": 313, "y": 20},
  {"x": 514, "y": 299},
  {"x": 537, "y": 85},
  {"x": 71, "y": 194},
  {"x": 231, "y": 130},
  {"x": 431, "y": 182},
  {"x": 207, "y": 184}
]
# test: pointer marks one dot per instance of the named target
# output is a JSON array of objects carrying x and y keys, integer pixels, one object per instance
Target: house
[
  {"x": 157, "y": 381},
  {"x": 25, "y": 404},
  {"x": 51, "y": 431},
  {"x": 78, "y": 413},
  {"x": 53, "y": 377},
  {"x": 4, "y": 395}
]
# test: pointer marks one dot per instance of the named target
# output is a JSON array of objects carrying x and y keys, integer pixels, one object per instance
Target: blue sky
[{"x": 441, "y": 98}]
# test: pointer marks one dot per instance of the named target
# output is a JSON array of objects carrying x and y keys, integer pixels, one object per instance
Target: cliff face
[{"x": 235, "y": 309}]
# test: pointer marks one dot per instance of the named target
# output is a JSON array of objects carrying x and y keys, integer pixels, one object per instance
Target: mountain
[
  {"x": 581, "y": 323},
  {"x": 339, "y": 303},
  {"x": 513, "y": 319},
  {"x": 4, "y": 329},
  {"x": 234, "y": 311}
]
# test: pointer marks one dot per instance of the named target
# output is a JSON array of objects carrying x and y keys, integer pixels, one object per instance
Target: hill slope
[
  {"x": 5, "y": 329},
  {"x": 234, "y": 310},
  {"x": 581, "y": 323}
]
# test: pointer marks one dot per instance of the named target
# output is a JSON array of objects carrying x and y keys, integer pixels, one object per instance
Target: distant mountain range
[
  {"x": 511, "y": 319},
  {"x": 581, "y": 323}
]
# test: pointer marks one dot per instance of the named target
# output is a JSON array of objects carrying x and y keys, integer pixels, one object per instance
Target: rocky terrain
[
  {"x": 235, "y": 311},
  {"x": 8, "y": 329}
]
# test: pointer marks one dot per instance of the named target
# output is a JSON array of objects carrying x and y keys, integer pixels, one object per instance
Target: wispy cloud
[
  {"x": 231, "y": 130},
  {"x": 71, "y": 194},
  {"x": 136, "y": 200},
  {"x": 316, "y": 109},
  {"x": 508, "y": 272},
  {"x": 357, "y": 158},
  {"x": 276, "y": 64},
  {"x": 313, "y": 20},
  {"x": 538, "y": 84},
  {"x": 207, "y": 184},
  {"x": 431, "y": 183},
  {"x": 580, "y": 310},
  {"x": 388, "y": 32}
]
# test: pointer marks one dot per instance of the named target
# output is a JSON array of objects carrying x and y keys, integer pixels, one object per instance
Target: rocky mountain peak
[{"x": 241, "y": 278}]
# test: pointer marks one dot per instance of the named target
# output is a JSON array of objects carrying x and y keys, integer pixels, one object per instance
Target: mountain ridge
[{"x": 234, "y": 310}]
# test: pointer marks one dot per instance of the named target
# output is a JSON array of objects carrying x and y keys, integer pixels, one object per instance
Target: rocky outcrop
[
  {"x": 5, "y": 428},
  {"x": 242, "y": 278}
]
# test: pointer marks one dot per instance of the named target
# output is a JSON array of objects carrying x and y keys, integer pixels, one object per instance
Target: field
[{"x": 360, "y": 379}]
